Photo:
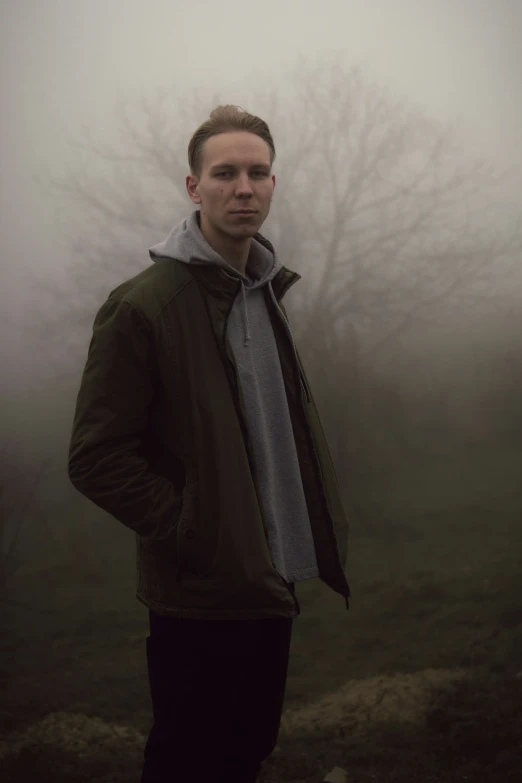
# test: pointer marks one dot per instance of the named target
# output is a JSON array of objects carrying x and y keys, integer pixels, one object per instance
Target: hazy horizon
[{"x": 67, "y": 66}]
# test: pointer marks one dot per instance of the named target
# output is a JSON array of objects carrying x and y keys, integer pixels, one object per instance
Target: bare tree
[
  {"x": 393, "y": 225},
  {"x": 380, "y": 206},
  {"x": 377, "y": 205}
]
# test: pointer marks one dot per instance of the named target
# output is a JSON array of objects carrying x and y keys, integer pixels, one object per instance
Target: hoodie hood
[{"x": 187, "y": 244}]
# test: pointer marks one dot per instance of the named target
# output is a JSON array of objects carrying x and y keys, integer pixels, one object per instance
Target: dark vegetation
[{"x": 434, "y": 589}]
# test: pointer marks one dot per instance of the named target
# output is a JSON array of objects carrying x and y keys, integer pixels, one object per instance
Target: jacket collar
[{"x": 216, "y": 280}]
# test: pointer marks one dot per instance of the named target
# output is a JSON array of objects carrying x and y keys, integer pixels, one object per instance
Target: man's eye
[{"x": 227, "y": 173}]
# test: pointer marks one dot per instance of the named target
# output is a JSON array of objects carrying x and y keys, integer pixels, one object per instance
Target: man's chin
[{"x": 244, "y": 230}]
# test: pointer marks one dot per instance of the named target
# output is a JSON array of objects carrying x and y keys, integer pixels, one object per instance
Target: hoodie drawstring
[{"x": 247, "y": 324}]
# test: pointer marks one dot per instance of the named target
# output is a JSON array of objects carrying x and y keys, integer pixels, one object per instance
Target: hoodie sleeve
[{"x": 105, "y": 455}]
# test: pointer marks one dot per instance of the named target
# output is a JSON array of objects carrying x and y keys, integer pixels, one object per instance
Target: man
[{"x": 196, "y": 428}]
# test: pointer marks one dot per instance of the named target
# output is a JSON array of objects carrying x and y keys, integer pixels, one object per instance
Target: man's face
[{"x": 235, "y": 175}]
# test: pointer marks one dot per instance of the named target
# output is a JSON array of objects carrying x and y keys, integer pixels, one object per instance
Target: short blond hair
[{"x": 223, "y": 119}]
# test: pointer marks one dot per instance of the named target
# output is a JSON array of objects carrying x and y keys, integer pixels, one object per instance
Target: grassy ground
[{"x": 438, "y": 588}]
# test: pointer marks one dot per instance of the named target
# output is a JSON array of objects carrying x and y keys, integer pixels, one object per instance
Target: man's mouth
[{"x": 244, "y": 212}]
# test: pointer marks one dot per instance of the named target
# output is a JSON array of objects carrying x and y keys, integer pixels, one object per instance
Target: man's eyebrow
[{"x": 233, "y": 166}]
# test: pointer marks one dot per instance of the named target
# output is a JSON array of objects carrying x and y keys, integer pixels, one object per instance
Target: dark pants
[{"x": 217, "y": 689}]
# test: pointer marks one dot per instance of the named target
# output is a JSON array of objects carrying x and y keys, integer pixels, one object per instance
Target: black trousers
[{"x": 217, "y": 689}]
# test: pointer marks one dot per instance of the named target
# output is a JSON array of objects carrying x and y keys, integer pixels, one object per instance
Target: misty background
[{"x": 398, "y": 129}]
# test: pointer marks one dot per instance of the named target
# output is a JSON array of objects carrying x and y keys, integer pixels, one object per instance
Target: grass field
[{"x": 420, "y": 682}]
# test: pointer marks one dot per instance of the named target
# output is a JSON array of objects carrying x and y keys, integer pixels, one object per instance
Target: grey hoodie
[{"x": 252, "y": 343}]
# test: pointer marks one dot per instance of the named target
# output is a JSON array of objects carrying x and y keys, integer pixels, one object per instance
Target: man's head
[{"x": 230, "y": 158}]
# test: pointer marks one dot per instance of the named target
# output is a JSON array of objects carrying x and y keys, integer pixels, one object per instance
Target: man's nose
[{"x": 244, "y": 185}]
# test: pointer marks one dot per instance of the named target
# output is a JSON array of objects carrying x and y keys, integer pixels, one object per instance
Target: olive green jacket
[{"x": 159, "y": 441}]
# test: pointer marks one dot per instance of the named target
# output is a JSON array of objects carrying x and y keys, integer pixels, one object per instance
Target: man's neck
[{"x": 233, "y": 252}]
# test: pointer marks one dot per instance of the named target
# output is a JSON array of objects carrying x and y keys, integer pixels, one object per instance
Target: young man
[{"x": 195, "y": 427}]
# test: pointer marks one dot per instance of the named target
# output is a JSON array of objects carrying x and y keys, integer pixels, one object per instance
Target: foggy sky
[{"x": 67, "y": 63}]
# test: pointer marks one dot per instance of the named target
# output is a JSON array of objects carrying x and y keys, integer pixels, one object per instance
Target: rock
[{"x": 337, "y": 775}]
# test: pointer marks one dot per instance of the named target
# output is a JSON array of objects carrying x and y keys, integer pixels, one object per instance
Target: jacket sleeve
[{"x": 106, "y": 462}]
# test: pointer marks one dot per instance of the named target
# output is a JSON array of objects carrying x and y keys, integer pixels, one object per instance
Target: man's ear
[{"x": 193, "y": 188}]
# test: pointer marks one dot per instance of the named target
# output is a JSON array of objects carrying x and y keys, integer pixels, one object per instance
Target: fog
[{"x": 409, "y": 322}]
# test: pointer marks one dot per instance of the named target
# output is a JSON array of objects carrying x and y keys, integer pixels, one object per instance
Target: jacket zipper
[
  {"x": 303, "y": 384},
  {"x": 322, "y": 484},
  {"x": 245, "y": 438},
  {"x": 316, "y": 459},
  {"x": 310, "y": 440}
]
